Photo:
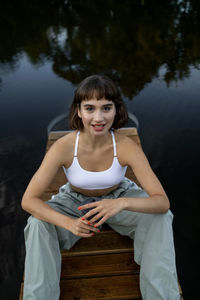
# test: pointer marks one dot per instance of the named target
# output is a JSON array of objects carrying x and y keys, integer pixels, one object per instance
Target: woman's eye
[
  {"x": 107, "y": 108},
  {"x": 89, "y": 108}
]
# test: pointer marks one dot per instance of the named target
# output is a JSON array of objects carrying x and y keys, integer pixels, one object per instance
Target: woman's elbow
[
  {"x": 25, "y": 204},
  {"x": 165, "y": 209},
  {"x": 166, "y": 205}
]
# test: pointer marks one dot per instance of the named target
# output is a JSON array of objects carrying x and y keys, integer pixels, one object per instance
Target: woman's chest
[{"x": 96, "y": 161}]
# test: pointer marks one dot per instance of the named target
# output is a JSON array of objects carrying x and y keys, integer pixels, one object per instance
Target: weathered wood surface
[
  {"x": 101, "y": 288},
  {"x": 102, "y": 243},
  {"x": 101, "y": 267},
  {"x": 104, "y": 288},
  {"x": 98, "y": 265}
]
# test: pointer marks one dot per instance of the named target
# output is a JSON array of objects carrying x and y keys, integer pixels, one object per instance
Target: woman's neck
[{"x": 94, "y": 141}]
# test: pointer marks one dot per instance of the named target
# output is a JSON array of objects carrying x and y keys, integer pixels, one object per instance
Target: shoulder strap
[
  {"x": 76, "y": 144},
  {"x": 114, "y": 143}
]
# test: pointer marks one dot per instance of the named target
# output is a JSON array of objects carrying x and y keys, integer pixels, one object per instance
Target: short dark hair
[{"x": 98, "y": 87}]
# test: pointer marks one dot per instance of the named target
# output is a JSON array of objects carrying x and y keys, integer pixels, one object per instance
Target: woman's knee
[
  {"x": 32, "y": 221},
  {"x": 149, "y": 222},
  {"x": 166, "y": 218},
  {"x": 34, "y": 224}
]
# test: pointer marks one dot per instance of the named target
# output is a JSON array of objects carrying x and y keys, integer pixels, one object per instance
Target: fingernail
[
  {"x": 89, "y": 223},
  {"x": 82, "y": 218},
  {"x": 95, "y": 226},
  {"x": 98, "y": 230},
  {"x": 79, "y": 208}
]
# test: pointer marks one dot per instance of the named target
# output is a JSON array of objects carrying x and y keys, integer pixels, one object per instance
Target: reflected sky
[{"x": 30, "y": 94}]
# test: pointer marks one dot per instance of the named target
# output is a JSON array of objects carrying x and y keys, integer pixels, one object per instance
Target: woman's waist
[{"x": 94, "y": 193}]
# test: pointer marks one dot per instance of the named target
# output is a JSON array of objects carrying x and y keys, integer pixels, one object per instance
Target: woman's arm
[
  {"x": 32, "y": 202},
  {"x": 157, "y": 202},
  {"x": 129, "y": 153}
]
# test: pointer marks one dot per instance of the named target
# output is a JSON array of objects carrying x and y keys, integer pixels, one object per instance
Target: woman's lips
[{"x": 98, "y": 127}]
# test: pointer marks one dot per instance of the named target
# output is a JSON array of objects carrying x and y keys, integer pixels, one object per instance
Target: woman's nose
[{"x": 98, "y": 116}]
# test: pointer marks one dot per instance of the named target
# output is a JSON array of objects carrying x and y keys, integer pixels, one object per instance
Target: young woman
[{"x": 94, "y": 158}]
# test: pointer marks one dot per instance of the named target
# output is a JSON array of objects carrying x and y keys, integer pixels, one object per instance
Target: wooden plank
[
  {"x": 101, "y": 243},
  {"x": 124, "y": 287},
  {"x": 59, "y": 180},
  {"x": 134, "y": 284},
  {"x": 98, "y": 265},
  {"x": 101, "y": 288},
  {"x": 132, "y": 132},
  {"x": 21, "y": 291}
]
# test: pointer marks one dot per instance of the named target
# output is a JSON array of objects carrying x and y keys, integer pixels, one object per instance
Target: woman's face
[{"x": 97, "y": 115}]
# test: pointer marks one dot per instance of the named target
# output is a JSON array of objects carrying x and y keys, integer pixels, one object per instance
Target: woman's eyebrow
[
  {"x": 109, "y": 104},
  {"x": 85, "y": 105},
  {"x": 91, "y": 105}
]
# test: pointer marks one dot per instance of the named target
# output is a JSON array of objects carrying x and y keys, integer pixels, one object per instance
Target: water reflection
[
  {"x": 128, "y": 40},
  {"x": 150, "y": 48}
]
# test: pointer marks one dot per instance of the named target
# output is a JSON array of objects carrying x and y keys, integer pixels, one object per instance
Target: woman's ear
[{"x": 78, "y": 111}]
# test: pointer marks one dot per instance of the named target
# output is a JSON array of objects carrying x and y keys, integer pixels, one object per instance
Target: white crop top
[{"x": 88, "y": 180}]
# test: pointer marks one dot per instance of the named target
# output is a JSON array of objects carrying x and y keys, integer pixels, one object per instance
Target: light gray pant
[{"x": 153, "y": 246}]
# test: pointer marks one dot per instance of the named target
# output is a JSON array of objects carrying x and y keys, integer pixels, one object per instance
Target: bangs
[{"x": 97, "y": 88}]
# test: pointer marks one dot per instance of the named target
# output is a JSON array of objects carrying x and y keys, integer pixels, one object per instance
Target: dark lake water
[{"x": 151, "y": 49}]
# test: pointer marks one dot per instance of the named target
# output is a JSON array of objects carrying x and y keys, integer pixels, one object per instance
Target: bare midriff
[{"x": 94, "y": 193}]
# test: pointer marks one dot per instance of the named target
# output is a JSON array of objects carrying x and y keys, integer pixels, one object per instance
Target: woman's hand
[
  {"x": 81, "y": 227},
  {"x": 102, "y": 210}
]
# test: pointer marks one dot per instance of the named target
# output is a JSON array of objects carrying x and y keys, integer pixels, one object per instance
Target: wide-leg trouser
[{"x": 153, "y": 246}]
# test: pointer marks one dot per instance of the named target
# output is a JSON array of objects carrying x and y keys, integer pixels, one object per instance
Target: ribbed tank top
[{"x": 88, "y": 180}]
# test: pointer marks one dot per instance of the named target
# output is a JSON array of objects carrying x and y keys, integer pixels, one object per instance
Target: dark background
[{"x": 151, "y": 49}]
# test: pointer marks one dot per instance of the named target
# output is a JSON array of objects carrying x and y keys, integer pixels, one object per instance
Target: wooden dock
[{"x": 101, "y": 267}]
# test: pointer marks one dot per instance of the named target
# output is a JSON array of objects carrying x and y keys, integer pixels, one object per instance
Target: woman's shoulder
[
  {"x": 65, "y": 144},
  {"x": 67, "y": 138},
  {"x": 123, "y": 140},
  {"x": 62, "y": 149},
  {"x": 127, "y": 148}
]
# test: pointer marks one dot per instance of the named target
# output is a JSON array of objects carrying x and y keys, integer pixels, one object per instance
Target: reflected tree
[{"x": 127, "y": 40}]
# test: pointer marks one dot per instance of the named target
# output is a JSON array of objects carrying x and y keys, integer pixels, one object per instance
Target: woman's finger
[
  {"x": 88, "y": 232},
  {"x": 97, "y": 217},
  {"x": 88, "y": 205},
  {"x": 101, "y": 221},
  {"x": 91, "y": 213},
  {"x": 86, "y": 235},
  {"x": 87, "y": 225}
]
